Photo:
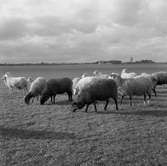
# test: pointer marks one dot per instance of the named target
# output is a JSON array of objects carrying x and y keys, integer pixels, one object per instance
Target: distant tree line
[{"x": 96, "y": 62}]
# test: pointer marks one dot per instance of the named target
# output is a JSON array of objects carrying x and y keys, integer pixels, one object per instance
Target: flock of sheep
[{"x": 89, "y": 89}]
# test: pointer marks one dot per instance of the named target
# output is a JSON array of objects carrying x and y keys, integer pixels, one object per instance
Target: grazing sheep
[
  {"x": 126, "y": 75},
  {"x": 36, "y": 89},
  {"x": 57, "y": 86},
  {"x": 98, "y": 89},
  {"x": 136, "y": 87},
  {"x": 20, "y": 83},
  {"x": 86, "y": 80}
]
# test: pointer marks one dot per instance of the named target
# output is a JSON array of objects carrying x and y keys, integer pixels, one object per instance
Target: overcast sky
[{"x": 82, "y": 30}]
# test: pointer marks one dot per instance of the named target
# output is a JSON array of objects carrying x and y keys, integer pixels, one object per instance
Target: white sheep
[
  {"x": 101, "y": 75},
  {"x": 126, "y": 75},
  {"x": 36, "y": 89},
  {"x": 136, "y": 87},
  {"x": 20, "y": 83},
  {"x": 84, "y": 75}
]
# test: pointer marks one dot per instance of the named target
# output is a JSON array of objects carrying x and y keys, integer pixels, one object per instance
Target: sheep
[
  {"x": 126, "y": 75},
  {"x": 36, "y": 89},
  {"x": 84, "y": 75},
  {"x": 81, "y": 83},
  {"x": 161, "y": 77},
  {"x": 101, "y": 75},
  {"x": 136, "y": 86},
  {"x": 20, "y": 83},
  {"x": 56, "y": 86},
  {"x": 99, "y": 89},
  {"x": 152, "y": 78},
  {"x": 86, "y": 80}
]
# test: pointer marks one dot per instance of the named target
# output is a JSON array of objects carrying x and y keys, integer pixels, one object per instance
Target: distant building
[
  {"x": 110, "y": 61},
  {"x": 145, "y": 61},
  {"x": 131, "y": 59}
]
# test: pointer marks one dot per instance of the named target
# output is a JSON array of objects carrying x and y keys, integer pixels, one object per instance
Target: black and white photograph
[{"x": 83, "y": 82}]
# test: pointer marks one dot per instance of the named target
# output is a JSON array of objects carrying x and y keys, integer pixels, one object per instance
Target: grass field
[{"x": 52, "y": 135}]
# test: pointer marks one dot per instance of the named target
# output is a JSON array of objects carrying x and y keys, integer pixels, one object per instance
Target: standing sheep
[
  {"x": 99, "y": 89},
  {"x": 152, "y": 78},
  {"x": 20, "y": 83},
  {"x": 36, "y": 89},
  {"x": 136, "y": 87},
  {"x": 57, "y": 86}
]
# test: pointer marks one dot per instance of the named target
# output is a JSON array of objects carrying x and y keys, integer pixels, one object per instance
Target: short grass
[{"x": 52, "y": 135}]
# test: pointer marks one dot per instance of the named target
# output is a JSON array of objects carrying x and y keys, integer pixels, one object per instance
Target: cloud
[
  {"x": 12, "y": 28},
  {"x": 68, "y": 31}
]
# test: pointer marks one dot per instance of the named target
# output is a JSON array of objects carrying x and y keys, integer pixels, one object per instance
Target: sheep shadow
[
  {"x": 157, "y": 113},
  {"x": 63, "y": 102},
  {"x": 34, "y": 134}
]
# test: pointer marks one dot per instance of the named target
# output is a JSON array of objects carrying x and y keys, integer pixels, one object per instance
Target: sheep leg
[
  {"x": 130, "y": 98},
  {"x": 145, "y": 98},
  {"x": 116, "y": 103},
  {"x": 122, "y": 99},
  {"x": 105, "y": 107},
  {"x": 70, "y": 96},
  {"x": 149, "y": 97},
  {"x": 86, "y": 110},
  {"x": 53, "y": 99},
  {"x": 95, "y": 107},
  {"x": 155, "y": 93}
]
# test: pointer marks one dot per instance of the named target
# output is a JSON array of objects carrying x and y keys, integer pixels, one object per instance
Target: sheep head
[
  {"x": 28, "y": 97},
  {"x": 44, "y": 98},
  {"x": 77, "y": 105}
]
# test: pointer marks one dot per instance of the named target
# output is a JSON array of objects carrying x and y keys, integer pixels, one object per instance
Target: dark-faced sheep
[
  {"x": 97, "y": 90},
  {"x": 57, "y": 86}
]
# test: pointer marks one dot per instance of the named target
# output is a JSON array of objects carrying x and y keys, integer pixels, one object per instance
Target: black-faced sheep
[
  {"x": 97, "y": 90},
  {"x": 57, "y": 86},
  {"x": 36, "y": 89}
]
